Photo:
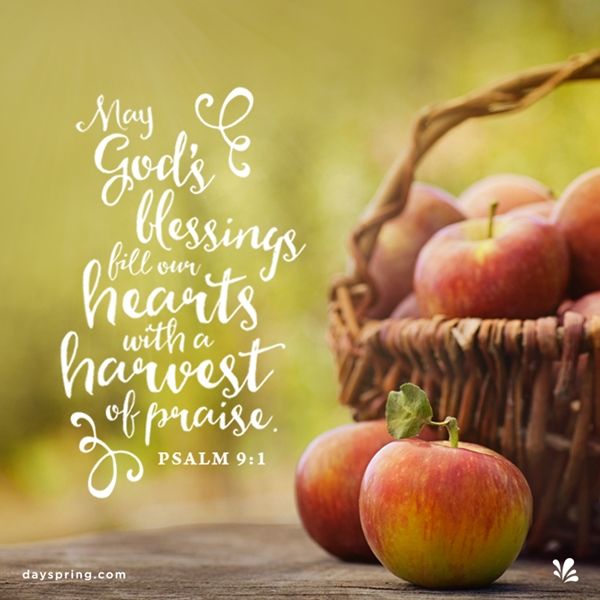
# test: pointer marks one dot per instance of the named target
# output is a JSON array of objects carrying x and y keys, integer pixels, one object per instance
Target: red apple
[
  {"x": 513, "y": 267},
  {"x": 442, "y": 514},
  {"x": 328, "y": 483},
  {"x": 408, "y": 308},
  {"x": 588, "y": 305},
  {"x": 393, "y": 260},
  {"x": 543, "y": 209},
  {"x": 507, "y": 189},
  {"x": 577, "y": 215}
]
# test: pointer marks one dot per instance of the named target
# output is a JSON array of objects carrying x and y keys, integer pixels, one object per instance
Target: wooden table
[{"x": 241, "y": 561}]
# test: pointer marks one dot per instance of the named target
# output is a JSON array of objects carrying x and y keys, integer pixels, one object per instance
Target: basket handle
[{"x": 433, "y": 122}]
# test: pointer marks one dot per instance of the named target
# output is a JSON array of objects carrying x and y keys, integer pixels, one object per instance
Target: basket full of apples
[{"x": 491, "y": 304}]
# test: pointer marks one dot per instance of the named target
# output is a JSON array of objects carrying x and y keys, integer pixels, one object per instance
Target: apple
[
  {"x": 505, "y": 267},
  {"x": 543, "y": 209},
  {"x": 588, "y": 305},
  {"x": 577, "y": 215},
  {"x": 408, "y": 308},
  {"x": 392, "y": 263},
  {"x": 441, "y": 514},
  {"x": 328, "y": 483},
  {"x": 507, "y": 189}
]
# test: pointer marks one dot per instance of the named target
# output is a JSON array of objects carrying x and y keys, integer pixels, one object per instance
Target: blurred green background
[{"x": 336, "y": 84}]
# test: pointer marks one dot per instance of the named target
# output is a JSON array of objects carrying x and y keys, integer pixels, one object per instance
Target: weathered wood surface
[{"x": 242, "y": 561}]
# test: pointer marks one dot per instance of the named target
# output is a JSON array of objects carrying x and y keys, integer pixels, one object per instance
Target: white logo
[{"x": 566, "y": 573}]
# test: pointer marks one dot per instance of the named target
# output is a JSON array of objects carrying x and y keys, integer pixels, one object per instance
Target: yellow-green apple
[
  {"x": 507, "y": 267},
  {"x": 507, "y": 189},
  {"x": 441, "y": 514},
  {"x": 328, "y": 483},
  {"x": 588, "y": 305},
  {"x": 577, "y": 215},
  {"x": 395, "y": 253}
]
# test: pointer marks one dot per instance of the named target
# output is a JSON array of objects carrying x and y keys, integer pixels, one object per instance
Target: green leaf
[{"x": 407, "y": 411}]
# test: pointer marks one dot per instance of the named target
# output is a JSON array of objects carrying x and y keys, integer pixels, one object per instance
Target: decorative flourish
[
  {"x": 565, "y": 572},
  {"x": 89, "y": 443},
  {"x": 240, "y": 143}
]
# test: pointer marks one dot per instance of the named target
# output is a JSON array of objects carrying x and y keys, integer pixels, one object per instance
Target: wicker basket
[{"x": 529, "y": 389}]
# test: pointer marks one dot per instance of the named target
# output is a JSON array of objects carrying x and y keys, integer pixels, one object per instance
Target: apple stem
[
  {"x": 451, "y": 424},
  {"x": 493, "y": 209},
  {"x": 408, "y": 410}
]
